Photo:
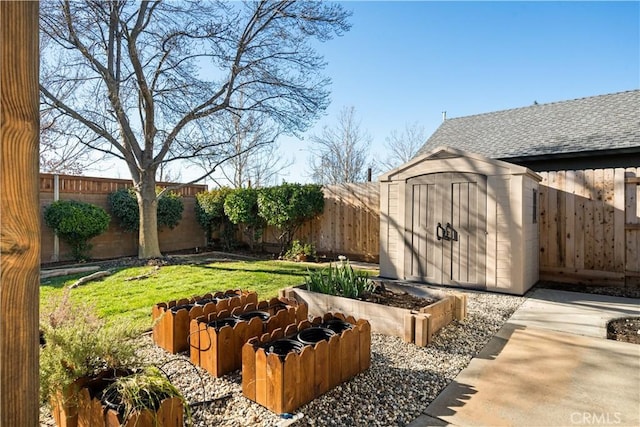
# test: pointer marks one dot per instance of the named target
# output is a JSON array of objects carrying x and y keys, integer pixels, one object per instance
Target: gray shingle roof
[{"x": 602, "y": 122}]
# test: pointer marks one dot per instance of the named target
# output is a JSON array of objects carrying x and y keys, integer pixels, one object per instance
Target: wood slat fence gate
[{"x": 589, "y": 226}]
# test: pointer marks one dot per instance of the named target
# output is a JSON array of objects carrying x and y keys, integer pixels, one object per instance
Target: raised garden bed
[
  {"x": 416, "y": 326},
  {"x": 216, "y": 339},
  {"x": 283, "y": 380},
  {"x": 82, "y": 406},
  {"x": 171, "y": 319}
]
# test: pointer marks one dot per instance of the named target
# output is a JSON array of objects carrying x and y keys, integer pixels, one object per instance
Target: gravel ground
[{"x": 402, "y": 380}]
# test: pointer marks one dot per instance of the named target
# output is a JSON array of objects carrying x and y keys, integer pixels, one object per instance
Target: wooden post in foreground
[{"x": 19, "y": 213}]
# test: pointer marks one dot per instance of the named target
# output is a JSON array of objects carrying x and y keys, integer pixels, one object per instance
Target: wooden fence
[
  {"x": 590, "y": 226},
  {"x": 349, "y": 225},
  {"x": 114, "y": 242}
]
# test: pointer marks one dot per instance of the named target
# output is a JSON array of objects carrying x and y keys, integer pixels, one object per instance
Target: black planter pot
[
  {"x": 175, "y": 308},
  {"x": 204, "y": 301},
  {"x": 226, "y": 321},
  {"x": 228, "y": 295},
  {"x": 337, "y": 325},
  {"x": 313, "y": 335},
  {"x": 283, "y": 346},
  {"x": 111, "y": 399},
  {"x": 262, "y": 315}
]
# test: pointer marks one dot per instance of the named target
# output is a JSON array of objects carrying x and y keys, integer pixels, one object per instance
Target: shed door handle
[
  {"x": 441, "y": 232},
  {"x": 451, "y": 233}
]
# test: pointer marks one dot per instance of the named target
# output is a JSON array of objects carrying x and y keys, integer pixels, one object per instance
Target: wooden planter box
[
  {"x": 284, "y": 385},
  {"x": 412, "y": 326},
  {"x": 82, "y": 410},
  {"x": 171, "y": 330},
  {"x": 220, "y": 351}
]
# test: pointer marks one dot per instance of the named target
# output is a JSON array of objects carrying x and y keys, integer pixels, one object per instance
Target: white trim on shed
[{"x": 455, "y": 218}]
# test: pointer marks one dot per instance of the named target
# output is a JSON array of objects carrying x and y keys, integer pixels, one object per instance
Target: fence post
[{"x": 56, "y": 196}]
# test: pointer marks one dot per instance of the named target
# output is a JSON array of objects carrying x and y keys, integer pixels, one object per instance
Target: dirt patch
[
  {"x": 397, "y": 299},
  {"x": 626, "y": 329}
]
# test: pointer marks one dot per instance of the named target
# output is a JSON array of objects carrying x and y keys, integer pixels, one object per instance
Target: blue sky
[{"x": 405, "y": 62}]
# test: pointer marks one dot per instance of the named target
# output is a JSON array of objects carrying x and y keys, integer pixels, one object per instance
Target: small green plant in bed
[
  {"x": 339, "y": 279},
  {"x": 144, "y": 390}
]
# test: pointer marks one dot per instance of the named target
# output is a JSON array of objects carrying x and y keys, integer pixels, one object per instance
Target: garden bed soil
[
  {"x": 625, "y": 329},
  {"x": 397, "y": 299}
]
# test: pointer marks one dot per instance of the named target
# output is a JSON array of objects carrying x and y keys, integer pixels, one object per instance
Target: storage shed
[{"x": 455, "y": 218}]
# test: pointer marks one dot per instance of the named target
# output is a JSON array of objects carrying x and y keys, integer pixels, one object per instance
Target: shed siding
[{"x": 503, "y": 215}]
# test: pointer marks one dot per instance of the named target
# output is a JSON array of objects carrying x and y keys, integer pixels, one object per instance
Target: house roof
[{"x": 605, "y": 122}]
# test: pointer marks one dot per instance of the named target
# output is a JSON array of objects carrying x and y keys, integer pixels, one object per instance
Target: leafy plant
[
  {"x": 144, "y": 390},
  {"x": 299, "y": 249},
  {"x": 170, "y": 208},
  {"x": 340, "y": 280},
  {"x": 76, "y": 223},
  {"x": 124, "y": 206},
  {"x": 211, "y": 216},
  {"x": 78, "y": 345},
  {"x": 288, "y": 206},
  {"x": 241, "y": 206}
]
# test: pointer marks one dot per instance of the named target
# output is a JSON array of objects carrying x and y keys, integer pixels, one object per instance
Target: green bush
[
  {"x": 339, "y": 280},
  {"x": 124, "y": 206},
  {"x": 299, "y": 249},
  {"x": 288, "y": 206},
  {"x": 75, "y": 223},
  {"x": 170, "y": 208},
  {"x": 78, "y": 344},
  {"x": 241, "y": 207},
  {"x": 211, "y": 216}
]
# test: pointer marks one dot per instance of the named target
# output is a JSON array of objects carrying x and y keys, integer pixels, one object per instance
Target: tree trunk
[
  {"x": 19, "y": 209},
  {"x": 148, "y": 243}
]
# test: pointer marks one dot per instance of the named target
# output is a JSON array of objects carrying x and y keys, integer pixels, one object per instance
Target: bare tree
[
  {"x": 251, "y": 158},
  {"x": 341, "y": 154},
  {"x": 403, "y": 146},
  {"x": 136, "y": 78},
  {"x": 61, "y": 151}
]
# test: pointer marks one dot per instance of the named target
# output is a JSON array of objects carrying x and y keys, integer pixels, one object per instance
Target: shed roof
[
  {"x": 446, "y": 158},
  {"x": 605, "y": 122}
]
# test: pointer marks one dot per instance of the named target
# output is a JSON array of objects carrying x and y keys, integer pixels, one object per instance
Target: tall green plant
[
  {"x": 124, "y": 207},
  {"x": 241, "y": 206},
  {"x": 339, "y": 279},
  {"x": 76, "y": 223},
  {"x": 288, "y": 206}
]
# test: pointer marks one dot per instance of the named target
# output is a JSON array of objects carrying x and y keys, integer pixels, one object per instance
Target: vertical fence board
[
  {"x": 608, "y": 221},
  {"x": 632, "y": 235},
  {"x": 598, "y": 219},
  {"x": 619, "y": 219},
  {"x": 569, "y": 218}
]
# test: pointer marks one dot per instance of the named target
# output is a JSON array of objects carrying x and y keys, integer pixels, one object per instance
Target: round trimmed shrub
[{"x": 75, "y": 223}]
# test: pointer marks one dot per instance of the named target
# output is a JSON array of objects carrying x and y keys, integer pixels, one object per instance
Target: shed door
[{"x": 446, "y": 235}]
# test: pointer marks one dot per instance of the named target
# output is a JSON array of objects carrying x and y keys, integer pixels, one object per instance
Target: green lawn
[{"x": 118, "y": 300}]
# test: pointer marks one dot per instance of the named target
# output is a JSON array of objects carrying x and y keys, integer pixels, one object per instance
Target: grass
[{"x": 117, "y": 300}]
